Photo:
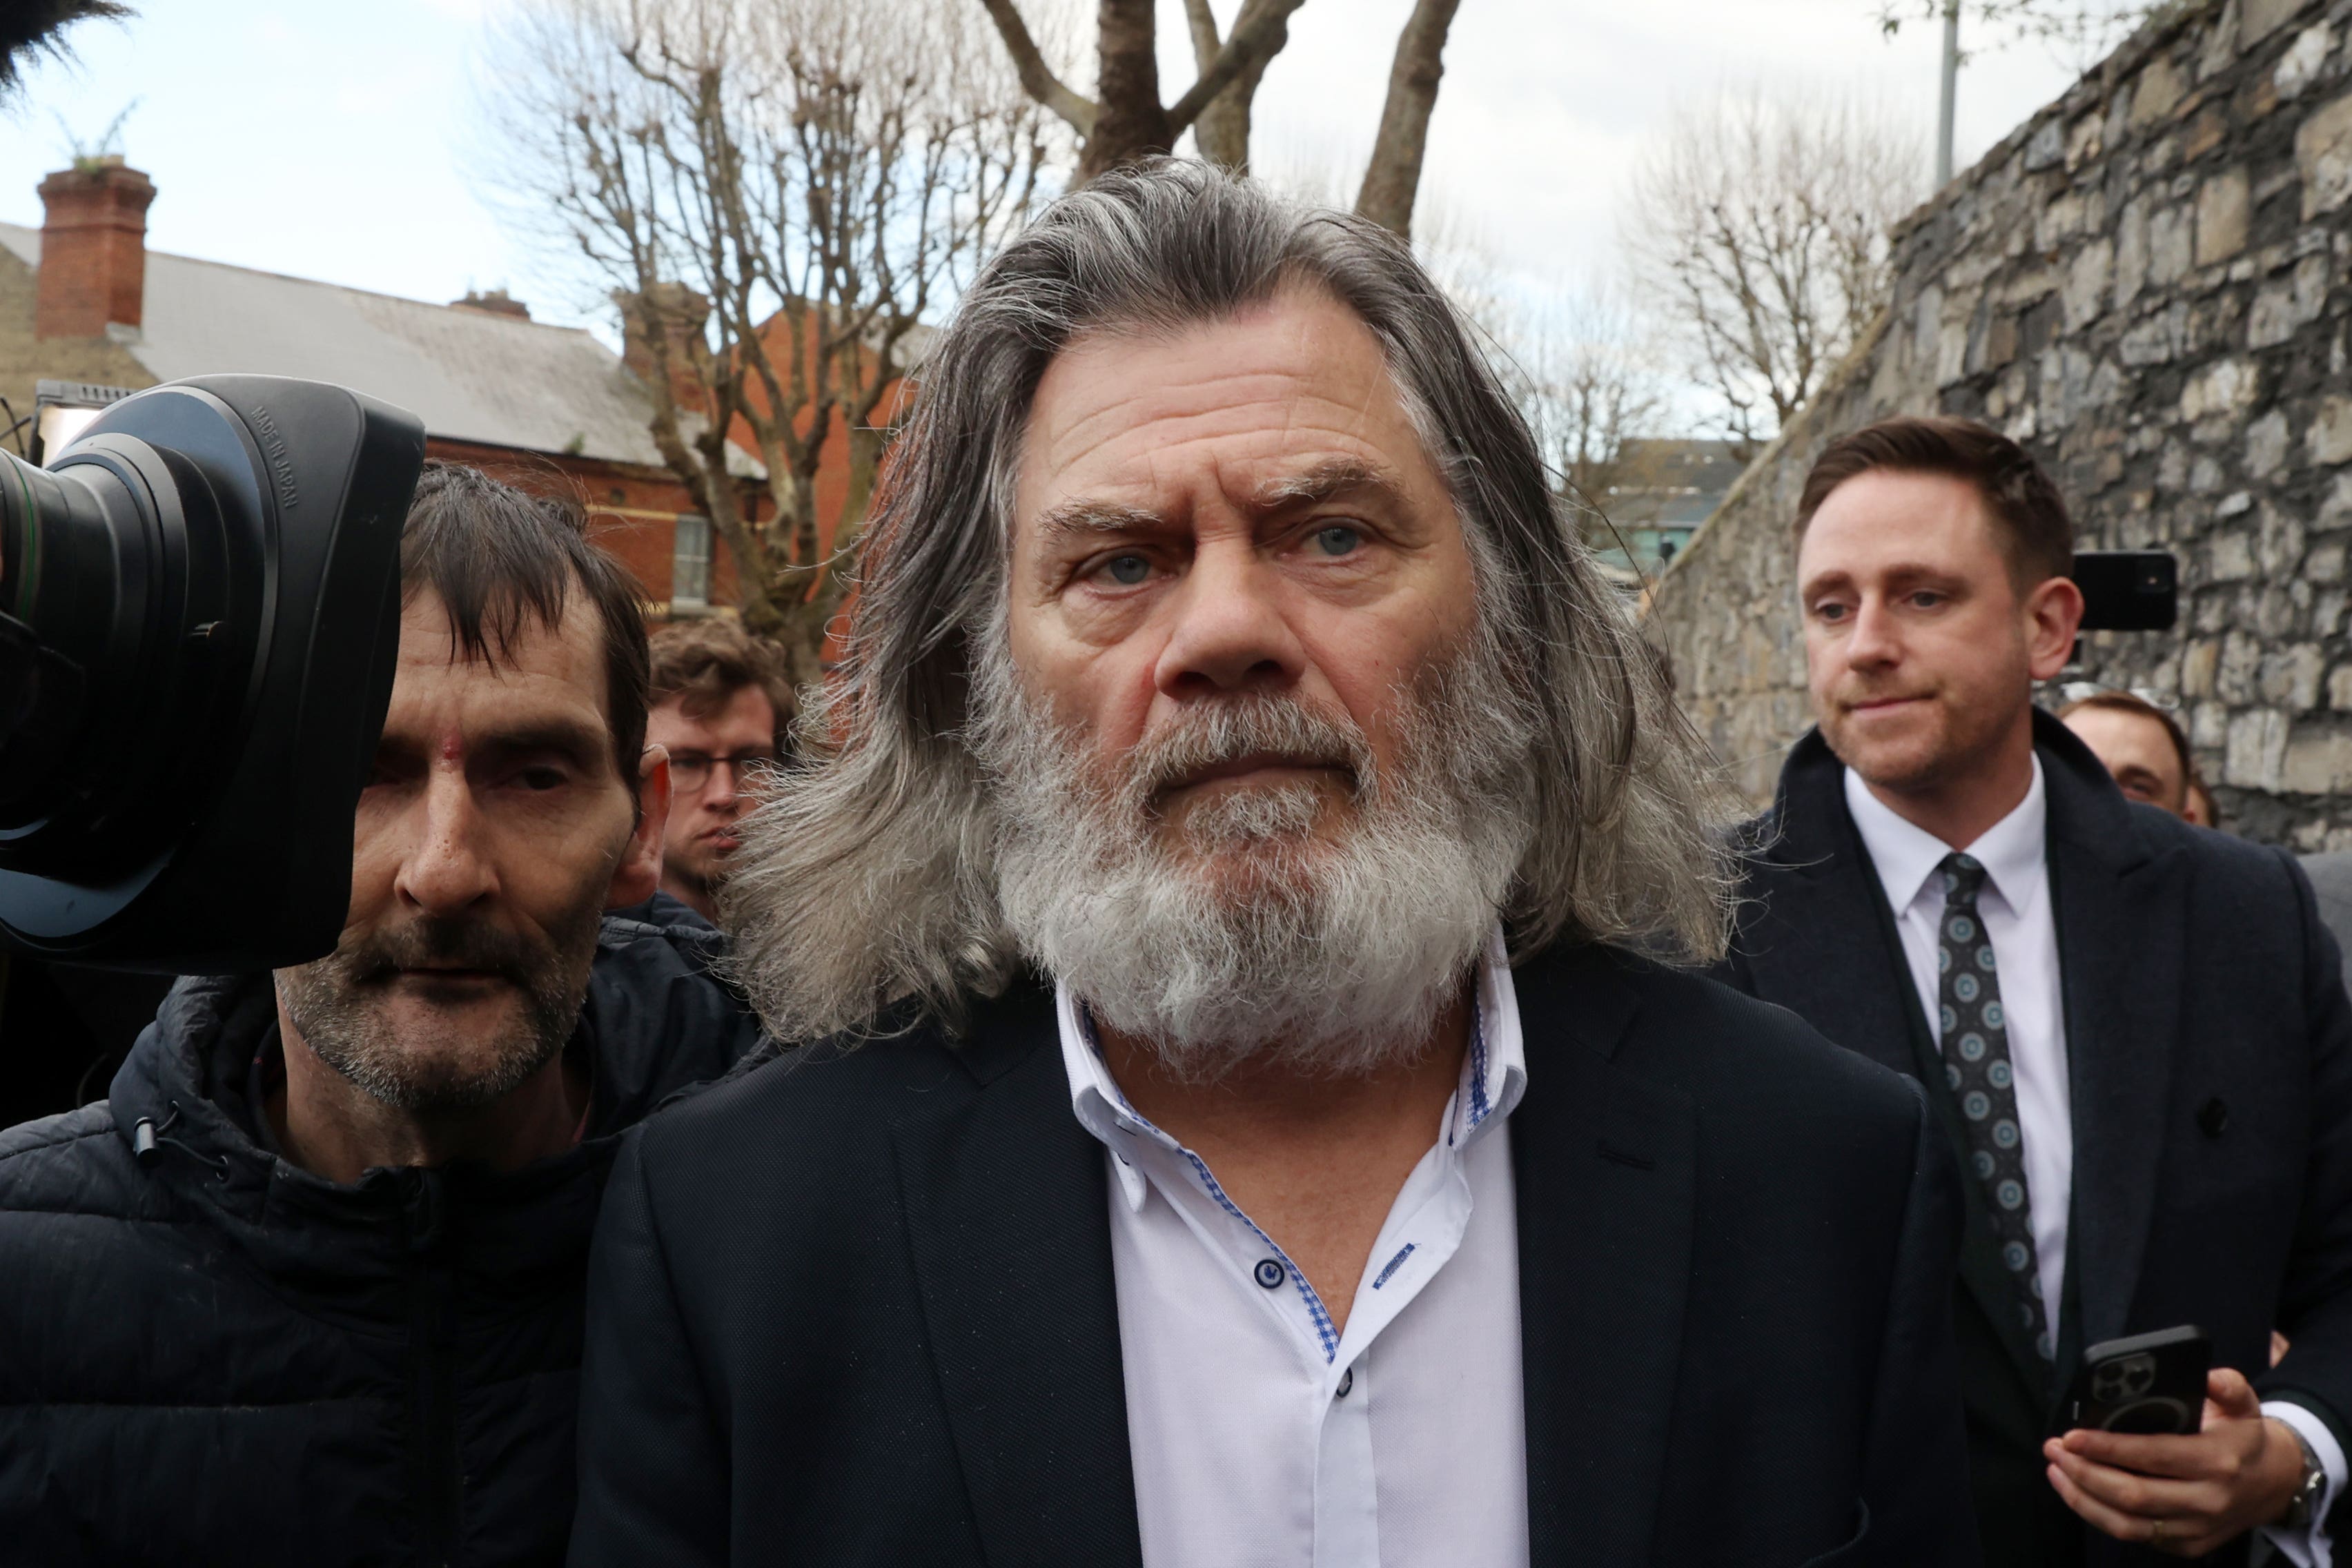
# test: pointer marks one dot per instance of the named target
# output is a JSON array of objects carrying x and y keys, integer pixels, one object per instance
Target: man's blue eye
[
  {"x": 1128, "y": 569},
  {"x": 1337, "y": 541}
]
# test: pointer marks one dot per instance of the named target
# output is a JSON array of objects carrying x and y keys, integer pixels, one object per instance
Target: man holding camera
[
  {"x": 308, "y": 1289},
  {"x": 2136, "y": 1034}
]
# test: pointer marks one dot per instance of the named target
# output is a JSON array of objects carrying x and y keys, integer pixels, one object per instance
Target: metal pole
[{"x": 1951, "y": 85}]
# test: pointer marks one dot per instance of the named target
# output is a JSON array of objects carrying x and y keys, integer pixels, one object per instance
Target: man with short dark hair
[
  {"x": 2140, "y": 744},
  {"x": 2136, "y": 1035},
  {"x": 306, "y": 1290},
  {"x": 1246, "y": 1132},
  {"x": 718, "y": 704}
]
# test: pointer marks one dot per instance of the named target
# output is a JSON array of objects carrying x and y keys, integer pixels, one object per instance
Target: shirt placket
[
  {"x": 1423, "y": 1231},
  {"x": 1424, "y": 1228},
  {"x": 1253, "y": 1260}
]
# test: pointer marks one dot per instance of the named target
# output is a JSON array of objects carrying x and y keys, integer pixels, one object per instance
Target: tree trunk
[
  {"x": 1394, "y": 176},
  {"x": 1222, "y": 134},
  {"x": 1131, "y": 122}
]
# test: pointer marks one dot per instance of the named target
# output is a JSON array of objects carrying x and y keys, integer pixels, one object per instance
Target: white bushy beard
[{"x": 1330, "y": 955}]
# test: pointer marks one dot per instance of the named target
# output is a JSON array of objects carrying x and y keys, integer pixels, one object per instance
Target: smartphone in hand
[{"x": 2147, "y": 1385}]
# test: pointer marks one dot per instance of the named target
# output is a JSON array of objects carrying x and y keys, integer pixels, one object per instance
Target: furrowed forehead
[
  {"x": 537, "y": 667},
  {"x": 1307, "y": 484}
]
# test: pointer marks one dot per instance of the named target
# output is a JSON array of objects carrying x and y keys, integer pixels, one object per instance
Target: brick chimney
[
  {"x": 496, "y": 302},
  {"x": 93, "y": 248},
  {"x": 681, "y": 313}
]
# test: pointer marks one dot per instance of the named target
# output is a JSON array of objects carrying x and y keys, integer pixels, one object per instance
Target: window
[{"x": 689, "y": 564}]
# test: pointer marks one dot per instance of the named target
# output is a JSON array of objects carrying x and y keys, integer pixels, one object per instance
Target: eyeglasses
[{"x": 690, "y": 771}]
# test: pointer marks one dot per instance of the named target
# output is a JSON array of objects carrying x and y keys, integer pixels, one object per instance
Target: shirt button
[
  {"x": 1347, "y": 1382},
  {"x": 1269, "y": 1274}
]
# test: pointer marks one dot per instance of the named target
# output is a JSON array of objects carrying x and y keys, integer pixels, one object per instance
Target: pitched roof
[{"x": 471, "y": 375}]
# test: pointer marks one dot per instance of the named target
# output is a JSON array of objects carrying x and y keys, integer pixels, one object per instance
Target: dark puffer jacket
[{"x": 214, "y": 1357}]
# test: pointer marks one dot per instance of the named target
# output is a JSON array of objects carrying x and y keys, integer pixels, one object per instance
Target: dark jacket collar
[
  {"x": 1606, "y": 1164},
  {"x": 653, "y": 1022},
  {"x": 184, "y": 1084},
  {"x": 1808, "y": 827},
  {"x": 1003, "y": 1190}
]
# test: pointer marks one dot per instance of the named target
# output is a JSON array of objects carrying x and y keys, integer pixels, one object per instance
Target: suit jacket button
[{"x": 2214, "y": 1118}]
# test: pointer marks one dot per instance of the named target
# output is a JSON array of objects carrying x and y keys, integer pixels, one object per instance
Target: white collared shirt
[
  {"x": 1261, "y": 1436},
  {"x": 2021, "y": 923}
]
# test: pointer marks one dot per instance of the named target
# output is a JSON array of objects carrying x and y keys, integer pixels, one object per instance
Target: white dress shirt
[
  {"x": 2022, "y": 926},
  {"x": 1261, "y": 1436}
]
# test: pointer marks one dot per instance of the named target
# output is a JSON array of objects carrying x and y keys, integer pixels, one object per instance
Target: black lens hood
[{"x": 178, "y": 789}]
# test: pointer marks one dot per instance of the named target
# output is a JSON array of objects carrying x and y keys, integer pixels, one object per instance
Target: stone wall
[{"x": 2149, "y": 283}]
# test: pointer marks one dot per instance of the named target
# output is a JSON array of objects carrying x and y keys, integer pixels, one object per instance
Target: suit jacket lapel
[
  {"x": 1006, "y": 1204},
  {"x": 1824, "y": 945},
  {"x": 2121, "y": 917},
  {"x": 1606, "y": 1168}
]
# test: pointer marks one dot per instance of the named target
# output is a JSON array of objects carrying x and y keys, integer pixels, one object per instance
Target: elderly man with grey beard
[{"x": 1254, "y": 1113}]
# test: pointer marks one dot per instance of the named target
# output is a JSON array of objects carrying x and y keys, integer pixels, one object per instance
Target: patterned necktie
[{"x": 1977, "y": 1066}]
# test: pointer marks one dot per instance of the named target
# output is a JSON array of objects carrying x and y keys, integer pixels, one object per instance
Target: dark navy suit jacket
[
  {"x": 2209, "y": 1047},
  {"x": 859, "y": 1308}
]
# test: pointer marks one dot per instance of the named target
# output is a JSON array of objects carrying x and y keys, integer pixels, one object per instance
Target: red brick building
[{"x": 82, "y": 300}]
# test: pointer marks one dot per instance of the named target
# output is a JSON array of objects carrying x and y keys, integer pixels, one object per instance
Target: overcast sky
[{"x": 331, "y": 141}]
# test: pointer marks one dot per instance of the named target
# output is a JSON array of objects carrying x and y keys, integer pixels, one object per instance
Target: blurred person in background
[
  {"x": 2201, "y": 809},
  {"x": 2331, "y": 882},
  {"x": 2140, "y": 744},
  {"x": 306, "y": 1290},
  {"x": 721, "y": 705}
]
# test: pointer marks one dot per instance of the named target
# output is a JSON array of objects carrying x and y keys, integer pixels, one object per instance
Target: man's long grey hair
[{"x": 868, "y": 877}]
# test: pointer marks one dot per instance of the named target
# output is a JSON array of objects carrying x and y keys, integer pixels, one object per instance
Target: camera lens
[
  {"x": 120, "y": 567},
  {"x": 199, "y": 608}
]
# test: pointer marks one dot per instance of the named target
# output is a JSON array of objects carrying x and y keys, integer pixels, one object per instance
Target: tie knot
[{"x": 1964, "y": 877}]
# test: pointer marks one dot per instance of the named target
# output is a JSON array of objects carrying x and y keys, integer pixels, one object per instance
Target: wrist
[{"x": 2293, "y": 1477}]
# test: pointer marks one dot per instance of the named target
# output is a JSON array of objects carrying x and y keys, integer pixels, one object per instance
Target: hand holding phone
[{"x": 2144, "y": 1458}]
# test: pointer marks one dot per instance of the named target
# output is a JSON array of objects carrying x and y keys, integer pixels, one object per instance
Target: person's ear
[
  {"x": 2054, "y": 614},
  {"x": 639, "y": 872}
]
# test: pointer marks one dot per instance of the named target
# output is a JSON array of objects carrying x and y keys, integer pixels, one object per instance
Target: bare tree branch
[
  {"x": 2082, "y": 24},
  {"x": 776, "y": 193},
  {"x": 1757, "y": 228},
  {"x": 1037, "y": 78},
  {"x": 1393, "y": 176},
  {"x": 1221, "y": 136},
  {"x": 1220, "y": 131},
  {"x": 1259, "y": 32},
  {"x": 1126, "y": 120},
  {"x": 1587, "y": 380}
]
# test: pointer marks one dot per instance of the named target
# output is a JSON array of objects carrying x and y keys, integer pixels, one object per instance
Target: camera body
[
  {"x": 2128, "y": 590},
  {"x": 199, "y": 623}
]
